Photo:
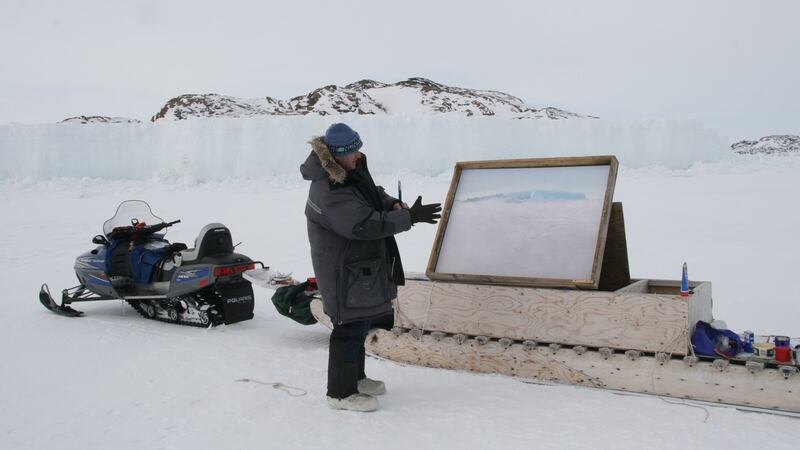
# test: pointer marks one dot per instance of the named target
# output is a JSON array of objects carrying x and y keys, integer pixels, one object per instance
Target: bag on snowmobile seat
[
  {"x": 294, "y": 303},
  {"x": 117, "y": 260},
  {"x": 709, "y": 341},
  {"x": 144, "y": 258}
]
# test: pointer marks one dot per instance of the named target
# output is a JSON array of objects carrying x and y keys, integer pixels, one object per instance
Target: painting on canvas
[{"x": 526, "y": 222}]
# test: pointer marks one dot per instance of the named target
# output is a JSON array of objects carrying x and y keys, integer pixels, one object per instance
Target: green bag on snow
[{"x": 295, "y": 303}]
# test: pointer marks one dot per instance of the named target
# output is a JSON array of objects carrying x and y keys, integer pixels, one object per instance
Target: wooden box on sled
[
  {"x": 646, "y": 315},
  {"x": 624, "y": 313}
]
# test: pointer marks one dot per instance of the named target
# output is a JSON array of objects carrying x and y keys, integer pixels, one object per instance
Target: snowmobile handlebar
[
  {"x": 160, "y": 226},
  {"x": 131, "y": 232}
]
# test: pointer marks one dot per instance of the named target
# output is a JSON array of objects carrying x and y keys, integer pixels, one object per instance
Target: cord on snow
[{"x": 290, "y": 390}]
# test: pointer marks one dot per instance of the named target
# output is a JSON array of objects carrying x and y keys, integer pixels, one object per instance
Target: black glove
[{"x": 425, "y": 213}]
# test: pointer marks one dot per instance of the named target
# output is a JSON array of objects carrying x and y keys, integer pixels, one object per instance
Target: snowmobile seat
[{"x": 214, "y": 239}]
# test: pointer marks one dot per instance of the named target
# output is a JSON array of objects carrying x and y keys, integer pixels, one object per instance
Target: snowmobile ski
[{"x": 49, "y": 303}]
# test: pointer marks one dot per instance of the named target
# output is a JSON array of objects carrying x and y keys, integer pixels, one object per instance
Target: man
[{"x": 351, "y": 227}]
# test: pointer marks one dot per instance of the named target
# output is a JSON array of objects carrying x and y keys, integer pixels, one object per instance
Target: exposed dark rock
[
  {"x": 769, "y": 145},
  {"x": 99, "y": 119},
  {"x": 366, "y": 84}
]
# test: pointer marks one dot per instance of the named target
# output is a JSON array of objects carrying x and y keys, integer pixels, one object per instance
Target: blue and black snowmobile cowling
[{"x": 200, "y": 286}]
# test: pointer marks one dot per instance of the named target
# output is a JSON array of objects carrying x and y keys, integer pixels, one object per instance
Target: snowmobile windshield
[{"x": 130, "y": 213}]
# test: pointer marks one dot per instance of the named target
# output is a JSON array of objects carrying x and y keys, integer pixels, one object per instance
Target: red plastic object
[
  {"x": 312, "y": 284},
  {"x": 783, "y": 354}
]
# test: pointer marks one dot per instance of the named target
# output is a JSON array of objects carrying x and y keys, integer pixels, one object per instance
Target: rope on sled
[{"x": 290, "y": 390}]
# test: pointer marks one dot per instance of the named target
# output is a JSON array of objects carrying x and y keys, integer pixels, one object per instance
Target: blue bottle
[{"x": 684, "y": 281}]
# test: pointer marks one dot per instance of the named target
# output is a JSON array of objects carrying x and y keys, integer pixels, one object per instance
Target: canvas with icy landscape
[{"x": 532, "y": 222}]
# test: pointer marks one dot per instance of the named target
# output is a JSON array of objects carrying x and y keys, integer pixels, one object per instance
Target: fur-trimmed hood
[{"x": 321, "y": 163}]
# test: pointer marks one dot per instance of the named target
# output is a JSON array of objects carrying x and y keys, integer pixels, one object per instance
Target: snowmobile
[{"x": 202, "y": 286}]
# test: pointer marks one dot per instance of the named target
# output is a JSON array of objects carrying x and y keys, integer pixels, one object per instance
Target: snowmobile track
[{"x": 214, "y": 317}]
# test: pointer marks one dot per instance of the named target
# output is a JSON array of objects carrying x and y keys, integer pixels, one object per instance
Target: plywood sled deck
[{"x": 713, "y": 381}]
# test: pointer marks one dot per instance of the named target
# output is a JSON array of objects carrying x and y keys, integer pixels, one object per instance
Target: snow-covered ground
[{"x": 115, "y": 380}]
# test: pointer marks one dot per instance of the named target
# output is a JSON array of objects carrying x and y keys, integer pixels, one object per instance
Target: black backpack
[{"x": 294, "y": 302}]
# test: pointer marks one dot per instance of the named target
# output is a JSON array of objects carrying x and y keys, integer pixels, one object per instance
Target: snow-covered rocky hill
[
  {"x": 769, "y": 145},
  {"x": 410, "y": 97},
  {"x": 99, "y": 119}
]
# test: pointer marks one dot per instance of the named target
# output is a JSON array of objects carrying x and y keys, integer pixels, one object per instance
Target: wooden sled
[{"x": 630, "y": 335}]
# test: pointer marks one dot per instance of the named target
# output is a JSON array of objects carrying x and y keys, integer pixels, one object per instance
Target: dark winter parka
[{"x": 351, "y": 228}]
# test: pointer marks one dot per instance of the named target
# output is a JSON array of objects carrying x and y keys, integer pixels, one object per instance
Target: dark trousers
[
  {"x": 346, "y": 354},
  {"x": 346, "y": 358}
]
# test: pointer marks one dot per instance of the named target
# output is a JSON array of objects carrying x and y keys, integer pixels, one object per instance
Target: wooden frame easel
[{"x": 590, "y": 283}]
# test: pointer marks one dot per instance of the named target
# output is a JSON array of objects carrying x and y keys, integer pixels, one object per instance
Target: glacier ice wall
[{"x": 225, "y": 148}]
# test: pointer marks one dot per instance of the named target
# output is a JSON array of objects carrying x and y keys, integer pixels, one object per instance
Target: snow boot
[
  {"x": 356, "y": 402},
  {"x": 371, "y": 387}
]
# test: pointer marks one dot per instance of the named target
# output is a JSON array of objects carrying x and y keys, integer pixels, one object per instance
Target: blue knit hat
[{"x": 342, "y": 139}]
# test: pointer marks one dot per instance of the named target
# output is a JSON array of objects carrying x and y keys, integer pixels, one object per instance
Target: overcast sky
[{"x": 732, "y": 65}]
